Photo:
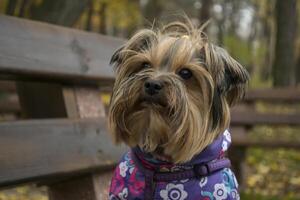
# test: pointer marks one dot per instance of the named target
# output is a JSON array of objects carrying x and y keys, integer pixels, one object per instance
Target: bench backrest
[{"x": 58, "y": 73}]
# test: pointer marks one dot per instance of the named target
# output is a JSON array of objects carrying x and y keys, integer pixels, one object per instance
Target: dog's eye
[
  {"x": 145, "y": 65},
  {"x": 185, "y": 73}
]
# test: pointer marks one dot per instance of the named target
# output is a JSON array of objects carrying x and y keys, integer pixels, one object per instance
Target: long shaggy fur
[{"x": 191, "y": 113}]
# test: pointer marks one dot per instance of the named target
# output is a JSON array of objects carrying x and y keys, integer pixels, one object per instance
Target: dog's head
[{"x": 172, "y": 91}]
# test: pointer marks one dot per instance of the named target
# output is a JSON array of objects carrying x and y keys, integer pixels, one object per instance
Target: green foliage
[
  {"x": 251, "y": 56},
  {"x": 24, "y": 193},
  {"x": 238, "y": 49},
  {"x": 273, "y": 173},
  {"x": 123, "y": 13},
  {"x": 248, "y": 196},
  {"x": 3, "y": 6},
  {"x": 122, "y": 17}
]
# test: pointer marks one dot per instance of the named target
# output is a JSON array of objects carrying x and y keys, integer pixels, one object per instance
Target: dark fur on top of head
[{"x": 191, "y": 113}]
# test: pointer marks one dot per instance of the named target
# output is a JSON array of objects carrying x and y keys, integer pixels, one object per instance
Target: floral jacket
[{"x": 128, "y": 181}]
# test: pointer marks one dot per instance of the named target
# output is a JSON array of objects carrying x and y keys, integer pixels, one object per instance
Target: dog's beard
[{"x": 176, "y": 128}]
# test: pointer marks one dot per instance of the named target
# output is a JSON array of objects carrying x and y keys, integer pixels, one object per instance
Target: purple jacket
[{"x": 130, "y": 180}]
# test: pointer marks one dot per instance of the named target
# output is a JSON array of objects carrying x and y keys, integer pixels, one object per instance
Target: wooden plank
[
  {"x": 35, "y": 50},
  {"x": 72, "y": 189},
  {"x": 88, "y": 187},
  {"x": 7, "y": 86},
  {"x": 89, "y": 102},
  {"x": 274, "y": 95},
  {"x": 241, "y": 139},
  {"x": 9, "y": 104},
  {"x": 237, "y": 155},
  {"x": 254, "y": 118},
  {"x": 81, "y": 102},
  {"x": 102, "y": 184},
  {"x": 250, "y": 142},
  {"x": 38, "y": 149}
]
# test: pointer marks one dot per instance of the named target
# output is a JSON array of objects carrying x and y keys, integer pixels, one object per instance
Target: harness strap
[{"x": 198, "y": 170}]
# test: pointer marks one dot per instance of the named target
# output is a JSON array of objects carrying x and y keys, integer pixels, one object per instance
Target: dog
[{"x": 170, "y": 104}]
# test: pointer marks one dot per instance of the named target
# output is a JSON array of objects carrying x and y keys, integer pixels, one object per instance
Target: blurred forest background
[{"x": 263, "y": 35}]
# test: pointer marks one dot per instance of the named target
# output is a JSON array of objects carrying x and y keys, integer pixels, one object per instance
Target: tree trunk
[
  {"x": 102, "y": 14},
  {"x": 204, "y": 14},
  {"x": 298, "y": 70},
  {"x": 64, "y": 13},
  {"x": 269, "y": 37},
  {"x": 152, "y": 11},
  {"x": 11, "y": 7},
  {"x": 22, "y": 8},
  {"x": 284, "y": 64},
  {"x": 88, "y": 26}
]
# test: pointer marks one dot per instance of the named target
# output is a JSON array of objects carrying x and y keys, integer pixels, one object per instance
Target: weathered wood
[
  {"x": 247, "y": 141},
  {"x": 82, "y": 187},
  {"x": 9, "y": 104},
  {"x": 76, "y": 188},
  {"x": 7, "y": 86},
  {"x": 274, "y": 95},
  {"x": 8, "y": 99},
  {"x": 89, "y": 102},
  {"x": 80, "y": 102},
  {"x": 70, "y": 102},
  {"x": 38, "y": 149},
  {"x": 237, "y": 155},
  {"x": 102, "y": 183},
  {"x": 255, "y": 118},
  {"x": 39, "y": 51}
]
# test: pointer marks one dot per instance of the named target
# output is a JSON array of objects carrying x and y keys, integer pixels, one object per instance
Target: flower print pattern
[
  {"x": 227, "y": 135},
  {"x": 123, "y": 168},
  {"x": 176, "y": 168},
  {"x": 235, "y": 195},
  {"x": 112, "y": 197},
  {"x": 220, "y": 192},
  {"x": 224, "y": 146},
  {"x": 203, "y": 182},
  {"x": 235, "y": 181},
  {"x": 131, "y": 170},
  {"x": 184, "y": 180},
  {"x": 124, "y": 194},
  {"x": 173, "y": 192}
]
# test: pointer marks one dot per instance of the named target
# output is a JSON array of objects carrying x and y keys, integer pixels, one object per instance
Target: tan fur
[{"x": 187, "y": 120}]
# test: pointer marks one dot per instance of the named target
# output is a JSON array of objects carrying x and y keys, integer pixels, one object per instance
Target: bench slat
[
  {"x": 274, "y": 95},
  {"x": 35, "y": 50},
  {"x": 244, "y": 118},
  {"x": 9, "y": 104},
  {"x": 247, "y": 141},
  {"x": 35, "y": 149}
]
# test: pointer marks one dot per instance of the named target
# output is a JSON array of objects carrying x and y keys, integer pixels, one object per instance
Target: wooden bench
[
  {"x": 245, "y": 116},
  {"x": 62, "y": 141}
]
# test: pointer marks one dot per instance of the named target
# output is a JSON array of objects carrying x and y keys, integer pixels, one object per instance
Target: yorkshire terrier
[{"x": 170, "y": 104}]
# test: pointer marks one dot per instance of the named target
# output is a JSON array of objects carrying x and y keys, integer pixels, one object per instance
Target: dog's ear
[
  {"x": 116, "y": 57},
  {"x": 231, "y": 77},
  {"x": 139, "y": 42}
]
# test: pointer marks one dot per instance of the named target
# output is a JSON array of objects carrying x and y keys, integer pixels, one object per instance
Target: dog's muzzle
[{"x": 153, "y": 87}]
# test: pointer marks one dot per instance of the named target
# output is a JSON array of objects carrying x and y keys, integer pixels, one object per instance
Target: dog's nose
[{"x": 153, "y": 87}]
